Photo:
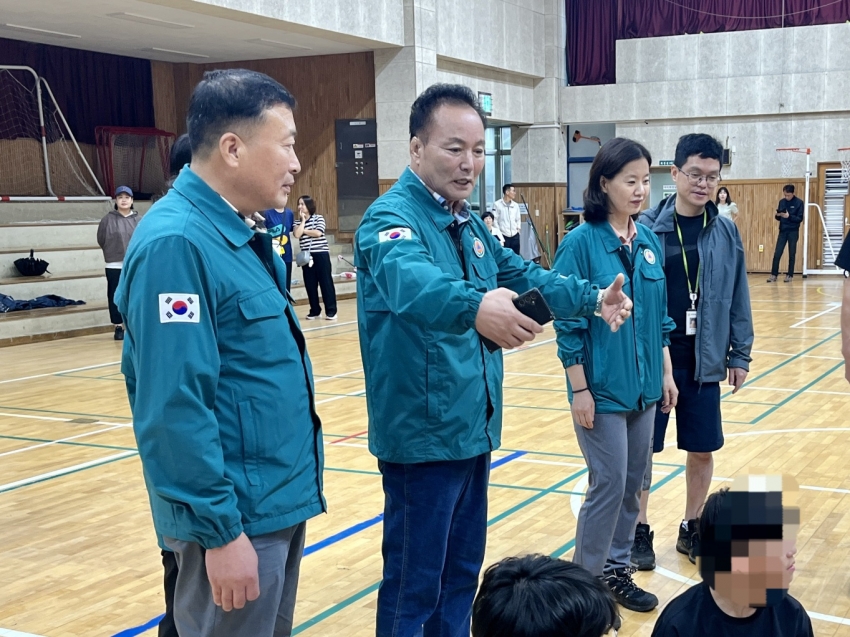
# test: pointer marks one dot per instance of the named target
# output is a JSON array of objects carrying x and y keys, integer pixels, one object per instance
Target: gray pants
[
  {"x": 270, "y": 615},
  {"x": 616, "y": 451}
]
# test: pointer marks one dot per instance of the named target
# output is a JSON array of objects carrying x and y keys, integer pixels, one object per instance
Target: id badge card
[{"x": 691, "y": 323}]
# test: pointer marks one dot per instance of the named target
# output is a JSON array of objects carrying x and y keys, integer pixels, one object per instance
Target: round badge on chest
[
  {"x": 649, "y": 255},
  {"x": 478, "y": 247}
]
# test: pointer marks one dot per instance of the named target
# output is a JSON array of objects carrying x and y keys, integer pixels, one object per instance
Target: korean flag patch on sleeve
[
  {"x": 177, "y": 307},
  {"x": 395, "y": 234}
]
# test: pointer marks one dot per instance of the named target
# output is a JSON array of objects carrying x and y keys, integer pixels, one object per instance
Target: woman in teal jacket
[{"x": 615, "y": 379}]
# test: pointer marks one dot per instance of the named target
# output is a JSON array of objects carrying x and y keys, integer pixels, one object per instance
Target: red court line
[{"x": 350, "y": 437}]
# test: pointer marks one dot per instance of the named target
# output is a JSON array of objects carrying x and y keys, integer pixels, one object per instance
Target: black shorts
[{"x": 698, "y": 423}]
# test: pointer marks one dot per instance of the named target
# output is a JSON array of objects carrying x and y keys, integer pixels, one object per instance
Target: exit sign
[
  {"x": 665, "y": 162},
  {"x": 486, "y": 101}
]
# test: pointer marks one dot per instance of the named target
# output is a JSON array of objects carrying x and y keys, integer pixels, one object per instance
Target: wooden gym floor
[{"x": 77, "y": 550}]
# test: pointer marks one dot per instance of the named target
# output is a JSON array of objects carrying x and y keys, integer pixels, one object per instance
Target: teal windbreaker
[
  {"x": 624, "y": 369},
  {"x": 433, "y": 390},
  {"x": 212, "y": 348}
]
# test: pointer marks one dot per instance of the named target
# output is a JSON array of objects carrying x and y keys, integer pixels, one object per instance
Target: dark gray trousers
[{"x": 270, "y": 615}]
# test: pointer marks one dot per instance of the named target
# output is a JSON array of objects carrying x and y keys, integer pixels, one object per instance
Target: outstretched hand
[{"x": 616, "y": 306}]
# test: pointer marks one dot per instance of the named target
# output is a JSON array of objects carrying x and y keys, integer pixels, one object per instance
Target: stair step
[
  {"x": 88, "y": 286},
  {"x": 52, "y": 323},
  {"x": 64, "y": 260},
  {"x": 37, "y": 236}
]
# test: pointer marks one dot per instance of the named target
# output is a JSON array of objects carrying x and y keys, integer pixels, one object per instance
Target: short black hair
[
  {"x": 181, "y": 154},
  {"x": 539, "y": 596},
  {"x": 730, "y": 519},
  {"x": 436, "y": 95},
  {"x": 227, "y": 98},
  {"x": 728, "y": 196},
  {"x": 609, "y": 161},
  {"x": 486, "y": 214},
  {"x": 506, "y": 188},
  {"x": 700, "y": 144},
  {"x": 309, "y": 203},
  {"x": 789, "y": 188}
]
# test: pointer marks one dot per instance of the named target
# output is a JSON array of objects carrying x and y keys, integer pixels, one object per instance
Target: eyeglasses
[{"x": 695, "y": 179}]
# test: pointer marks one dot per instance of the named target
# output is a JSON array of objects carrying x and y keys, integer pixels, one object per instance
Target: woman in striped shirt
[{"x": 310, "y": 232}]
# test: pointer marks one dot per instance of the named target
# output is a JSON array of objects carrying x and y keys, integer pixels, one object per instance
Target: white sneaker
[{"x": 330, "y": 318}]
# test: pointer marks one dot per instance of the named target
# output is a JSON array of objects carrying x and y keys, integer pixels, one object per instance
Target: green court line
[
  {"x": 534, "y": 498},
  {"x": 64, "y": 413},
  {"x": 561, "y": 550},
  {"x": 119, "y": 380},
  {"x": 374, "y": 587},
  {"x": 69, "y": 443},
  {"x": 358, "y": 471},
  {"x": 747, "y": 402},
  {"x": 784, "y": 363},
  {"x": 62, "y": 475},
  {"x": 791, "y": 397},
  {"x": 572, "y": 455}
]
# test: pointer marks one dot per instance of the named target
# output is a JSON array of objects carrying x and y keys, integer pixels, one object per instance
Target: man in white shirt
[{"x": 506, "y": 212}]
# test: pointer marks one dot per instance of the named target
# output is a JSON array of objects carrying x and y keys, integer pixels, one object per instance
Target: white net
[
  {"x": 844, "y": 157},
  {"x": 792, "y": 161},
  {"x": 22, "y": 164},
  {"x": 135, "y": 157}
]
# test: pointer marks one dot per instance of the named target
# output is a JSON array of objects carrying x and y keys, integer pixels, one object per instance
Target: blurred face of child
[
  {"x": 489, "y": 222},
  {"x": 123, "y": 201}
]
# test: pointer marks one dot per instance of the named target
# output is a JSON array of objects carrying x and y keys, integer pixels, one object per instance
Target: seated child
[
  {"x": 748, "y": 540},
  {"x": 538, "y": 596}
]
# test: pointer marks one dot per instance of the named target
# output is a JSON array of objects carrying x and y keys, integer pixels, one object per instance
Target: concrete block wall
[{"x": 760, "y": 89}]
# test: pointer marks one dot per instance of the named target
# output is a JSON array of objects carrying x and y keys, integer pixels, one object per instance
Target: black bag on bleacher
[{"x": 30, "y": 266}]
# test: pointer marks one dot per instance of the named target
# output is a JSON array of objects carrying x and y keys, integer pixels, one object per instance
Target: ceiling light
[
  {"x": 280, "y": 45},
  {"x": 57, "y": 34},
  {"x": 157, "y": 22},
  {"x": 173, "y": 52}
]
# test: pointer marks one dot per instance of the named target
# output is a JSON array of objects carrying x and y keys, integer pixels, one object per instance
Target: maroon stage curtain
[
  {"x": 591, "y": 38},
  {"x": 92, "y": 89},
  {"x": 594, "y": 26}
]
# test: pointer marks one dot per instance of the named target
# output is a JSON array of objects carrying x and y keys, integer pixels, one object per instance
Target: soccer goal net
[{"x": 39, "y": 156}]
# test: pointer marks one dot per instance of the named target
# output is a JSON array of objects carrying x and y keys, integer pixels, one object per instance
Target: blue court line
[
  {"x": 138, "y": 630},
  {"x": 338, "y": 537},
  {"x": 333, "y": 539}
]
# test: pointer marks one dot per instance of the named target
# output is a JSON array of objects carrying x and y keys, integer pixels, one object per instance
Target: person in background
[
  {"x": 539, "y": 596},
  {"x": 231, "y": 479},
  {"x": 279, "y": 224},
  {"x": 748, "y": 542},
  {"x": 494, "y": 230},
  {"x": 789, "y": 214},
  {"x": 310, "y": 232},
  {"x": 708, "y": 297},
  {"x": 615, "y": 379},
  {"x": 113, "y": 237},
  {"x": 507, "y": 217},
  {"x": 725, "y": 206}
]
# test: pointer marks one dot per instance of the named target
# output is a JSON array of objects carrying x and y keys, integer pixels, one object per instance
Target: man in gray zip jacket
[{"x": 708, "y": 297}]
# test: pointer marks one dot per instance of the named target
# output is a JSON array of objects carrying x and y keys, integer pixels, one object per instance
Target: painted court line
[
  {"x": 54, "y": 419},
  {"x": 834, "y": 307},
  {"x": 5, "y": 632},
  {"x": 324, "y": 378},
  {"x": 56, "y": 442},
  {"x": 64, "y": 371},
  {"x": 61, "y": 472},
  {"x": 359, "y": 392}
]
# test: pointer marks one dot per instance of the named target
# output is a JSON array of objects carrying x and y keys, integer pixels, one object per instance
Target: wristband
[
  {"x": 599, "y": 298},
  {"x": 578, "y": 391}
]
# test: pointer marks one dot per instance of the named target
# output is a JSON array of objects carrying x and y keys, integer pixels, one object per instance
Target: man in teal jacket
[
  {"x": 431, "y": 282},
  {"x": 210, "y": 336}
]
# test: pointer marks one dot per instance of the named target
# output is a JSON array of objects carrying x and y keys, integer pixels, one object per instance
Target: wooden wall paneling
[
  {"x": 549, "y": 199},
  {"x": 162, "y": 79},
  {"x": 327, "y": 88},
  {"x": 384, "y": 185}
]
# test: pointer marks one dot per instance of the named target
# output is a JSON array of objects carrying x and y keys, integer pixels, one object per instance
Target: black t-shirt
[
  {"x": 843, "y": 258},
  {"x": 695, "y": 613},
  {"x": 682, "y": 346}
]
